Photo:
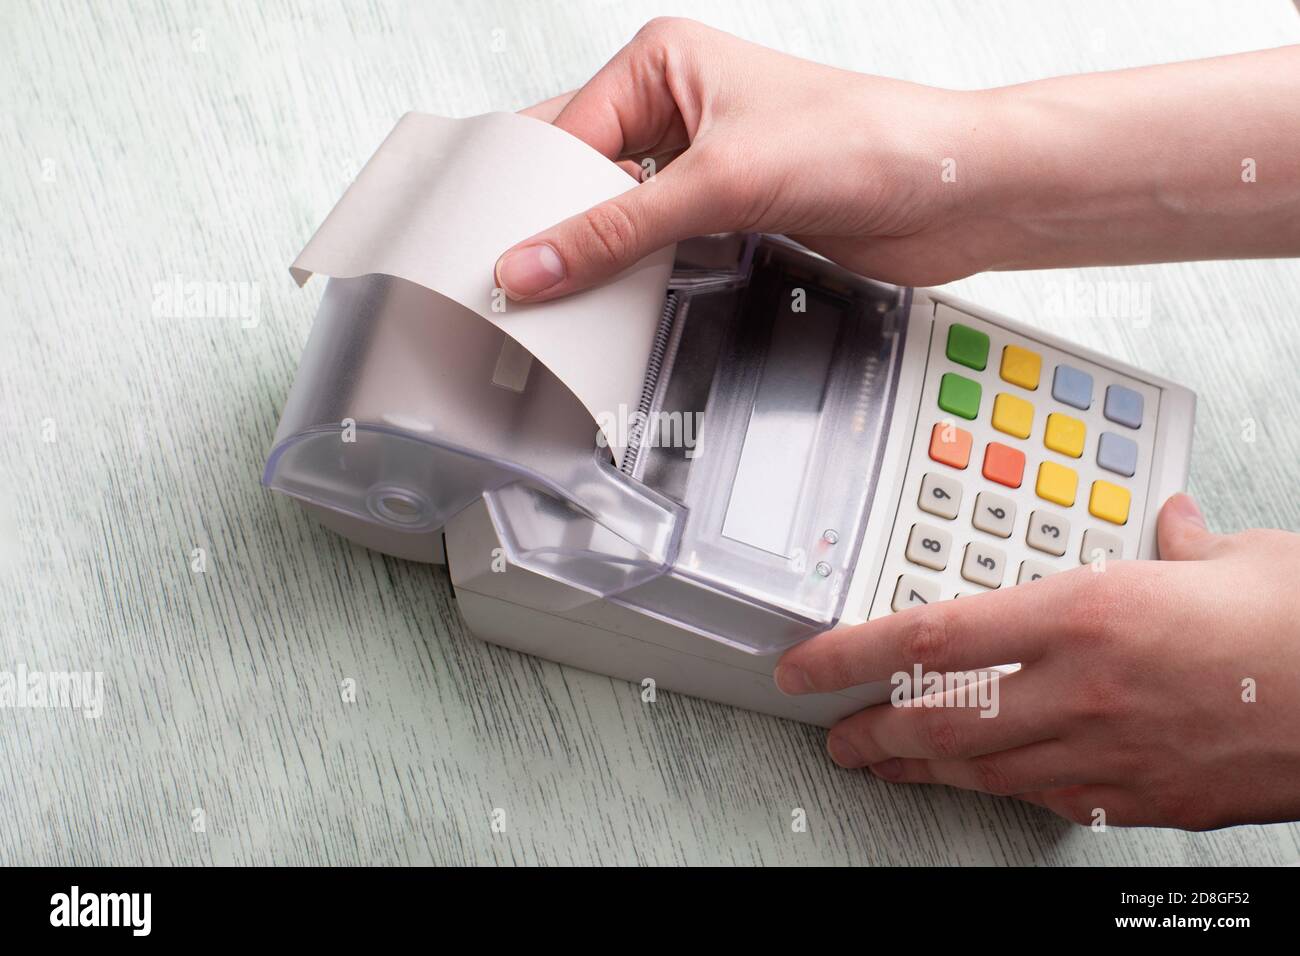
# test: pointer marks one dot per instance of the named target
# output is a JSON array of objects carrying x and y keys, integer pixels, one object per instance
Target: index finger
[{"x": 1007, "y": 626}]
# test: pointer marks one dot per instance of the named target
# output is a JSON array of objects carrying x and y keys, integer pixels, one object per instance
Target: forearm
[
  {"x": 919, "y": 185},
  {"x": 1197, "y": 160}
]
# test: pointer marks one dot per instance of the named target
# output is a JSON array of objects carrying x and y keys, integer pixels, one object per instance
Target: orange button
[
  {"x": 1004, "y": 464},
  {"x": 950, "y": 445}
]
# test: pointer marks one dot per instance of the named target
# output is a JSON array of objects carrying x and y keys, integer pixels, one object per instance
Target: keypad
[{"x": 1013, "y": 488}]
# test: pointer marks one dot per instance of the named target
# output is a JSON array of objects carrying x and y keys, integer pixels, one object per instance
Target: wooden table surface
[{"x": 153, "y": 140}]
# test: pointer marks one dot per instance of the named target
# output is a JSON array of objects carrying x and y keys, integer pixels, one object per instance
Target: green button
[
  {"x": 967, "y": 346},
  {"x": 959, "y": 395}
]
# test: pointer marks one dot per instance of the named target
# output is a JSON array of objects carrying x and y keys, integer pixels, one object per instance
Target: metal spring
[{"x": 654, "y": 365}]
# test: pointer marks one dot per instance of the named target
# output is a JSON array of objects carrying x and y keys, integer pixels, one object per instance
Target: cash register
[{"x": 806, "y": 449}]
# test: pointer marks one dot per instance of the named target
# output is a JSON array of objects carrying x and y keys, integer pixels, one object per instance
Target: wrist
[
  {"x": 1147, "y": 165},
  {"x": 1065, "y": 186},
  {"x": 994, "y": 188}
]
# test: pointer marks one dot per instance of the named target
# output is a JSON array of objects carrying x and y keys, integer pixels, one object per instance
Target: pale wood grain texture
[{"x": 147, "y": 140}]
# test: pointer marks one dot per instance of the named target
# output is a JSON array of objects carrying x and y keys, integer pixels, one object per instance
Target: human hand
[
  {"x": 743, "y": 138},
  {"x": 1132, "y": 698},
  {"x": 916, "y": 185}
]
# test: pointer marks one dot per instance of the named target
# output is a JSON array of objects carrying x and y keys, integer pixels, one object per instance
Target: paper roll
[{"x": 441, "y": 199}]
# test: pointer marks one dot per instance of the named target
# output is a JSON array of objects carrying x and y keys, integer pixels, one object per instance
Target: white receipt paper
[{"x": 441, "y": 199}]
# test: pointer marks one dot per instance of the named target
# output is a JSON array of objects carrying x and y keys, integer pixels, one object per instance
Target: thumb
[
  {"x": 1181, "y": 531},
  {"x": 606, "y": 239}
]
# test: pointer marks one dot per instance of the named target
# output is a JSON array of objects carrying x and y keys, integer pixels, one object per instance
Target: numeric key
[
  {"x": 940, "y": 495},
  {"x": 1048, "y": 532},
  {"x": 1034, "y": 571},
  {"x": 929, "y": 547},
  {"x": 984, "y": 565},
  {"x": 1096, "y": 543},
  {"x": 994, "y": 514},
  {"x": 913, "y": 591}
]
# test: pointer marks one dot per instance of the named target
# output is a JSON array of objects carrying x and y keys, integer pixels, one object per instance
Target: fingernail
[
  {"x": 791, "y": 679},
  {"x": 1185, "y": 506},
  {"x": 529, "y": 270},
  {"x": 843, "y": 752},
  {"x": 890, "y": 769}
]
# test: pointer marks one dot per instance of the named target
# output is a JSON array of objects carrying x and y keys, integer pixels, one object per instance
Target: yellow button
[
  {"x": 1057, "y": 483},
  {"x": 1021, "y": 366},
  {"x": 1013, "y": 415},
  {"x": 1064, "y": 434},
  {"x": 1109, "y": 502}
]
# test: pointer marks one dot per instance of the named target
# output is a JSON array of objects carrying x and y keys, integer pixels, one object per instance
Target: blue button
[
  {"x": 1124, "y": 405},
  {"x": 1072, "y": 387},
  {"x": 1118, "y": 454}
]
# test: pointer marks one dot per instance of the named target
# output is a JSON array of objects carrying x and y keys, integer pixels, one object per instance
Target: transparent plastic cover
[
  {"x": 394, "y": 419},
  {"x": 740, "y": 504}
]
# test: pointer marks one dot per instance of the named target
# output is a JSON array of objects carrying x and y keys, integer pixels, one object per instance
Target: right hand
[{"x": 743, "y": 138}]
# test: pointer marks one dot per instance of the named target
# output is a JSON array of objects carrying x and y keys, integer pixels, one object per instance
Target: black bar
[{"x": 324, "y": 906}]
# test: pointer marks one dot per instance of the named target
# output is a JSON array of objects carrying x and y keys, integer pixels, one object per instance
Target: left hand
[{"x": 1134, "y": 698}]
